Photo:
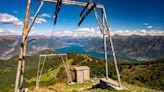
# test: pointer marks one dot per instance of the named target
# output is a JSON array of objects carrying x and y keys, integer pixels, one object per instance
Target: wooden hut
[{"x": 82, "y": 73}]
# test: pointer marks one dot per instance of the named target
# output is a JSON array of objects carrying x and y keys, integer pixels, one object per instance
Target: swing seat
[
  {"x": 112, "y": 83},
  {"x": 70, "y": 83}
]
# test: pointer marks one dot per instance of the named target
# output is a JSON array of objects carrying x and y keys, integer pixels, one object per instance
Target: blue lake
[{"x": 79, "y": 49}]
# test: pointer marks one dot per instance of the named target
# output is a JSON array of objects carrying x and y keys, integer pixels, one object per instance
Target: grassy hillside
[
  {"x": 8, "y": 68},
  {"x": 87, "y": 87},
  {"x": 146, "y": 74}
]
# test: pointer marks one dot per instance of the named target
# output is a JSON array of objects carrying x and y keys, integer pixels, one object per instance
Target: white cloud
[
  {"x": 66, "y": 0},
  {"x": 146, "y": 24},
  {"x": 8, "y": 32},
  {"x": 45, "y": 15},
  {"x": 40, "y": 20},
  {"x": 85, "y": 29},
  {"x": 80, "y": 32},
  {"x": 138, "y": 32},
  {"x": 85, "y": 32},
  {"x": 16, "y": 12},
  {"x": 33, "y": 28},
  {"x": 149, "y": 26},
  {"x": 9, "y": 19}
]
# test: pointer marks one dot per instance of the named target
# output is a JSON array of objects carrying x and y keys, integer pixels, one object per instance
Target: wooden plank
[
  {"x": 42, "y": 55},
  {"x": 112, "y": 83}
]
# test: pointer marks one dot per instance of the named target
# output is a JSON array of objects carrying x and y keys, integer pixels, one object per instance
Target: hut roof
[{"x": 82, "y": 68}]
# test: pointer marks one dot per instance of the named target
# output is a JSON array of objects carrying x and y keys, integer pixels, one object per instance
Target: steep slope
[
  {"x": 148, "y": 74},
  {"x": 9, "y": 45}
]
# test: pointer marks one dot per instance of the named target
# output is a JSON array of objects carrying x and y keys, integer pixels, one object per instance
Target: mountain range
[
  {"x": 136, "y": 47},
  {"x": 140, "y": 48},
  {"x": 9, "y": 45}
]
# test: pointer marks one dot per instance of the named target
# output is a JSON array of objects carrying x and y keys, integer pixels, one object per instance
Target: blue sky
[{"x": 122, "y": 15}]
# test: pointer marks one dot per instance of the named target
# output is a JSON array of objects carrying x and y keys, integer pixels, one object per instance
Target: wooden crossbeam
[
  {"x": 42, "y": 55},
  {"x": 76, "y": 3}
]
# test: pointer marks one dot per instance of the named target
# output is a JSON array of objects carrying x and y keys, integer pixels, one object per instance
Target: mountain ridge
[{"x": 135, "y": 47}]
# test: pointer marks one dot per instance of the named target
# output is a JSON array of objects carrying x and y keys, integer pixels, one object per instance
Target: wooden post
[
  {"x": 103, "y": 30},
  {"x": 112, "y": 47},
  {"x": 105, "y": 46},
  {"x": 98, "y": 21},
  {"x": 22, "y": 52},
  {"x": 38, "y": 73},
  {"x": 68, "y": 68},
  {"x": 105, "y": 55},
  {"x": 25, "y": 43}
]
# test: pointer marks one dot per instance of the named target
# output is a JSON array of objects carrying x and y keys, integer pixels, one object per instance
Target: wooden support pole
[
  {"x": 25, "y": 43},
  {"x": 22, "y": 49},
  {"x": 112, "y": 47},
  {"x": 22, "y": 52},
  {"x": 105, "y": 46},
  {"x": 103, "y": 30},
  {"x": 68, "y": 68},
  {"x": 105, "y": 55},
  {"x": 98, "y": 21},
  {"x": 33, "y": 20},
  {"x": 38, "y": 73}
]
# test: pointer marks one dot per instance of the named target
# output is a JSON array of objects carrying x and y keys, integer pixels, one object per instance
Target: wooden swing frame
[{"x": 103, "y": 25}]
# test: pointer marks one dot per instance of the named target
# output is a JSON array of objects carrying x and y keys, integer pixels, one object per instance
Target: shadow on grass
[{"x": 101, "y": 85}]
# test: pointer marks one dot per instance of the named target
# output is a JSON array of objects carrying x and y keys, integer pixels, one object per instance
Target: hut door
[{"x": 81, "y": 75}]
